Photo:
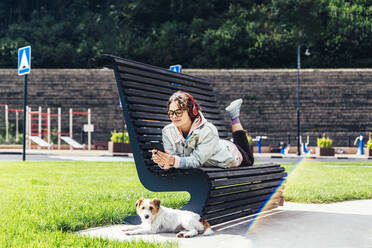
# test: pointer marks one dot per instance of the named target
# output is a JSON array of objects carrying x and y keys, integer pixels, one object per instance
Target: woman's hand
[
  {"x": 164, "y": 159},
  {"x": 156, "y": 158}
]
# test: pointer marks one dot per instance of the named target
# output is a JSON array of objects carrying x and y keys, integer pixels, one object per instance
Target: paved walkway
[
  {"x": 99, "y": 155},
  {"x": 346, "y": 224}
]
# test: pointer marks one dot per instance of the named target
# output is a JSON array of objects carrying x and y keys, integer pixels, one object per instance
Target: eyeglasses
[{"x": 177, "y": 112}]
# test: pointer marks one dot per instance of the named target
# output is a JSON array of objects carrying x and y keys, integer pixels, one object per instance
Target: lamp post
[{"x": 307, "y": 53}]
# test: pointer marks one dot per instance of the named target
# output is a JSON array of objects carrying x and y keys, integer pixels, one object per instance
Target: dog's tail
[{"x": 207, "y": 227}]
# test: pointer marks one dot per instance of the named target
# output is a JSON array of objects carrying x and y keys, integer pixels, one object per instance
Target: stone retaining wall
[{"x": 337, "y": 102}]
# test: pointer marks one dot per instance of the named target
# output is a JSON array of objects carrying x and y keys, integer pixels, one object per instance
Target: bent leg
[
  {"x": 241, "y": 140},
  {"x": 239, "y": 136}
]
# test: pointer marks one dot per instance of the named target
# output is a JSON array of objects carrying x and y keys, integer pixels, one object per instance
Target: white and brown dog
[{"x": 157, "y": 219}]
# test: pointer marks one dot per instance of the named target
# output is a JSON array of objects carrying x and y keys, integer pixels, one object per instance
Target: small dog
[{"x": 157, "y": 219}]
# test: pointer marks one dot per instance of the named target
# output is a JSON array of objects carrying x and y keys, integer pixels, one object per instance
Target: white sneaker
[{"x": 234, "y": 108}]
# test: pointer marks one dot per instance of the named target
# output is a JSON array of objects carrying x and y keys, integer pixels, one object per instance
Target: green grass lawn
[
  {"x": 43, "y": 203},
  {"x": 323, "y": 182}
]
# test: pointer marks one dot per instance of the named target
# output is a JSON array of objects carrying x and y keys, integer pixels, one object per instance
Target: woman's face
[{"x": 179, "y": 117}]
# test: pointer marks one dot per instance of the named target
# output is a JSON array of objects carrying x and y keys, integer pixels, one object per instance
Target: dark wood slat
[
  {"x": 156, "y": 169},
  {"x": 157, "y": 110},
  {"x": 237, "y": 196},
  {"x": 140, "y": 100},
  {"x": 147, "y": 146},
  {"x": 155, "y": 69},
  {"x": 206, "y": 102},
  {"x": 149, "y": 162},
  {"x": 235, "y": 189},
  {"x": 160, "y": 117},
  {"x": 160, "y": 110},
  {"x": 234, "y": 204},
  {"x": 146, "y": 94},
  {"x": 162, "y": 97},
  {"x": 211, "y": 170},
  {"x": 164, "y": 88},
  {"x": 148, "y": 116},
  {"x": 146, "y": 154},
  {"x": 163, "y": 110},
  {"x": 243, "y": 180},
  {"x": 170, "y": 78},
  {"x": 157, "y": 131},
  {"x": 161, "y": 124},
  {"x": 129, "y": 81},
  {"x": 234, "y": 216},
  {"x": 168, "y": 173},
  {"x": 147, "y": 130},
  {"x": 232, "y": 210},
  {"x": 125, "y": 78},
  {"x": 241, "y": 173},
  {"x": 159, "y": 103},
  {"x": 143, "y": 138},
  {"x": 148, "y": 109},
  {"x": 143, "y": 123},
  {"x": 166, "y": 79}
]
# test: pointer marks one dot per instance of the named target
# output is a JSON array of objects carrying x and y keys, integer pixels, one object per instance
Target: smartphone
[{"x": 157, "y": 146}]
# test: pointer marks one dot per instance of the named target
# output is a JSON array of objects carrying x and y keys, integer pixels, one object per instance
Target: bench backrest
[{"x": 144, "y": 91}]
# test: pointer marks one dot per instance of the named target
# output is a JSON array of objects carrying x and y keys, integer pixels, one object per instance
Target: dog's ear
[
  {"x": 156, "y": 202},
  {"x": 139, "y": 201}
]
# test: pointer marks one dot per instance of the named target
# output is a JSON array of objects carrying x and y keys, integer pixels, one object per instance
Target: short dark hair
[{"x": 184, "y": 102}]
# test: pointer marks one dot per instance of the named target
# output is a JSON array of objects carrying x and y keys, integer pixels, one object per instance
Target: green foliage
[
  {"x": 249, "y": 139},
  {"x": 118, "y": 137},
  {"x": 204, "y": 34},
  {"x": 369, "y": 143},
  {"x": 11, "y": 136},
  {"x": 324, "y": 142},
  {"x": 11, "y": 139}
]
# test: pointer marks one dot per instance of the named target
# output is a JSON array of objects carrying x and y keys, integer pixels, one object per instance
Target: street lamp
[{"x": 307, "y": 53}]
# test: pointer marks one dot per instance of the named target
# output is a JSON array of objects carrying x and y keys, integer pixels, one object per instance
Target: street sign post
[
  {"x": 24, "y": 68},
  {"x": 176, "y": 68},
  {"x": 24, "y": 60}
]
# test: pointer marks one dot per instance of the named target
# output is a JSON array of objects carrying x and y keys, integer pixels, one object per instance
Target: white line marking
[{"x": 250, "y": 219}]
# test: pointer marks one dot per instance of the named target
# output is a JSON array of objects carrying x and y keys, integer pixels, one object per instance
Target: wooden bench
[{"x": 217, "y": 194}]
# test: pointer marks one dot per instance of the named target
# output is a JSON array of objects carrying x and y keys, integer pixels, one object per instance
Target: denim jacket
[{"x": 202, "y": 146}]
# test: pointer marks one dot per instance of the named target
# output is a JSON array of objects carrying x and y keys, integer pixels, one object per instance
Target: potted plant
[
  {"x": 119, "y": 142},
  {"x": 325, "y": 147},
  {"x": 368, "y": 150},
  {"x": 249, "y": 138}
]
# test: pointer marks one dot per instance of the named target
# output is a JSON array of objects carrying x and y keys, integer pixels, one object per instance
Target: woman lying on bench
[{"x": 190, "y": 141}]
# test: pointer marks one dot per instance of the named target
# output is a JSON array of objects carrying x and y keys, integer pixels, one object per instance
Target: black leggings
[{"x": 241, "y": 141}]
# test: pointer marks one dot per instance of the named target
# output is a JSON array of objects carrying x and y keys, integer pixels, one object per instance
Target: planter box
[
  {"x": 368, "y": 152},
  {"x": 325, "y": 151},
  {"x": 119, "y": 147}
]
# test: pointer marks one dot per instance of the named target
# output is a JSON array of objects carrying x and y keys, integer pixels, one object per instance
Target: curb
[{"x": 11, "y": 153}]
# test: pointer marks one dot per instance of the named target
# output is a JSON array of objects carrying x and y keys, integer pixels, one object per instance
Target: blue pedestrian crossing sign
[
  {"x": 24, "y": 60},
  {"x": 176, "y": 68}
]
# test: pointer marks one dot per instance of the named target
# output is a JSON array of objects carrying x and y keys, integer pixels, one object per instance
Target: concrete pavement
[
  {"x": 345, "y": 224},
  {"x": 62, "y": 155}
]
